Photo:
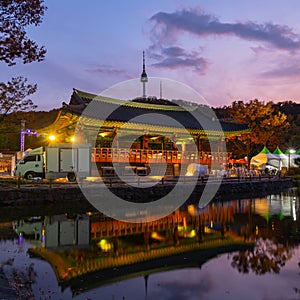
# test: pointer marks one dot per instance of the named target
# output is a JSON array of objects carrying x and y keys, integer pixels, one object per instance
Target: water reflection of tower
[
  {"x": 144, "y": 78},
  {"x": 146, "y": 286}
]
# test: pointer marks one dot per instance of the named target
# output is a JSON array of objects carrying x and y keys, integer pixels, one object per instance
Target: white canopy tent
[
  {"x": 276, "y": 159},
  {"x": 262, "y": 158},
  {"x": 279, "y": 160}
]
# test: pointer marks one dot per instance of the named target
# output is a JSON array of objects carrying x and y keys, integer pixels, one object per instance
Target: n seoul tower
[{"x": 144, "y": 78}]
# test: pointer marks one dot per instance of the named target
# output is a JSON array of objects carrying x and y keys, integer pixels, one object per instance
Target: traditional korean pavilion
[
  {"x": 115, "y": 135},
  {"x": 145, "y": 129}
]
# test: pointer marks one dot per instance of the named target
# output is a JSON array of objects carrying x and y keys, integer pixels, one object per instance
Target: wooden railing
[{"x": 108, "y": 155}]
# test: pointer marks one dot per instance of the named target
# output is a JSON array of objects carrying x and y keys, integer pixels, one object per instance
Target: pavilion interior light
[{"x": 104, "y": 134}]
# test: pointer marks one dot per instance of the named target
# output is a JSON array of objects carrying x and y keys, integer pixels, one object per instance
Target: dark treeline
[{"x": 10, "y": 128}]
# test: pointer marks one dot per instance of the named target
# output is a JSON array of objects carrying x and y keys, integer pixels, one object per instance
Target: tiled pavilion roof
[{"x": 93, "y": 110}]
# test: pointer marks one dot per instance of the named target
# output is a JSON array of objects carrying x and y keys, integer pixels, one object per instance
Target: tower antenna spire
[
  {"x": 144, "y": 78},
  {"x": 160, "y": 90}
]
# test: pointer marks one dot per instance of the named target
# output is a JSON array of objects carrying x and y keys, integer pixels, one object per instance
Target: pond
[{"x": 239, "y": 249}]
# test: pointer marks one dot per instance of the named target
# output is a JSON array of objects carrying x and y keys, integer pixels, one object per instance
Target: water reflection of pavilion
[
  {"x": 188, "y": 237},
  {"x": 56, "y": 231},
  {"x": 115, "y": 244}
]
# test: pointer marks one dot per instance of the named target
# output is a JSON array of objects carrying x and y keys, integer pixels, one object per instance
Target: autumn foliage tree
[{"x": 267, "y": 126}]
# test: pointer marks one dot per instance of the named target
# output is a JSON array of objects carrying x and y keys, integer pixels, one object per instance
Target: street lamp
[
  {"x": 52, "y": 137},
  {"x": 291, "y": 151}
]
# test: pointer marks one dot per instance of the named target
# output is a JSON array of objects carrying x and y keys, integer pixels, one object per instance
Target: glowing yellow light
[
  {"x": 52, "y": 137},
  {"x": 180, "y": 228},
  {"x": 157, "y": 236},
  {"x": 192, "y": 210},
  {"x": 72, "y": 139},
  {"x": 192, "y": 233},
  {"x": 104, "y": 245},
  {"x": 104, "y": 134}
]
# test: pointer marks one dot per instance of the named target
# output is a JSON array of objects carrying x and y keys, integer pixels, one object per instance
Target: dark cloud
[
  {"x": 199, "y": 64},
  {"x": 167, "y": 26},
  {"x": 173, "y": 51},
  {"x": 173, "y": 57}
]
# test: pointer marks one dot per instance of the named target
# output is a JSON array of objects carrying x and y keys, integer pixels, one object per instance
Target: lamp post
[{"x": 291, "y": 151}]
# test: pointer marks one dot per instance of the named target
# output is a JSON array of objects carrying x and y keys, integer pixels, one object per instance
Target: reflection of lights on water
[
  {"x": 208, "y": 230},
  {"x": 104, "y": 245},
  {"x": 294, "y": 209},
  {"x": 192, "y": 210},
  {"x": 180, "y": 228},
  {"x": 21, "y": 239},
  {"x": 43, "y": 238},
  {"x": 157, "y": 236},
  {"x": 192, "y": 233}
]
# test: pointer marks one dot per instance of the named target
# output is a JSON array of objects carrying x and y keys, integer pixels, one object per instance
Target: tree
[
  {"x": 267, "y": 126},
  {"x": 266, "y": 257},
  {"x": 10, "y": 129},
  {"x": 13, "y": 96},
  {"x": 15, "y": 16}
]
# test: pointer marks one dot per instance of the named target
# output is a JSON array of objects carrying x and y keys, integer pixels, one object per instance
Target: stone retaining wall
[{"x": 36, "y": 195}]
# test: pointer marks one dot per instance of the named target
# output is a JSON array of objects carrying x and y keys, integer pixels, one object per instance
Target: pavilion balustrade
[
  {"x": 140, "y": 156},
  {"x": 119, "y": 228}
]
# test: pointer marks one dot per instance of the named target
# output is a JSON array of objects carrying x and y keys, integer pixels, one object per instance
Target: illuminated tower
[{"x": 144, "y": 77}]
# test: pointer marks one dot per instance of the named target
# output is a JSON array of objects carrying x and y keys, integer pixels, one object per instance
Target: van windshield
[{"x": 29, "y": 158}]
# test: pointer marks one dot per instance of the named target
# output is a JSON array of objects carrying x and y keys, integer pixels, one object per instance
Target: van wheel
[
  {"x": 29, "y": 175},
  {"x": 71, "y": 177}
]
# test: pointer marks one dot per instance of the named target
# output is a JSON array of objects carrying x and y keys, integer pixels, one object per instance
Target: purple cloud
[
  {"x": 167, "y": 26},
  {"x": 285, "y": 70},
  {"x": 108, "y": 70},
  {"x": 173, "y": 57},
  {"x": 173, "y": 51}
]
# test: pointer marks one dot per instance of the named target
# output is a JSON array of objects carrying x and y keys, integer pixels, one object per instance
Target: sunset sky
[{"x": 225, "y": 50}]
